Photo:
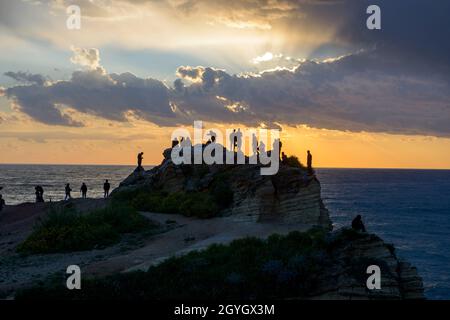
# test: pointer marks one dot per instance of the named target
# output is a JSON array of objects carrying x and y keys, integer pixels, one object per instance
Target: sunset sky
[{"x": 136, "y": 70}]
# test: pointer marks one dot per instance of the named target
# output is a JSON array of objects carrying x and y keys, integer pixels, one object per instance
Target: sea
[{"x": 408, "y": 208}]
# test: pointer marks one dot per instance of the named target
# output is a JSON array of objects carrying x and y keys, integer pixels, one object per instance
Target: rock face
[
  {"x": 290, "y": 196},
  {"x": 347, "y": 277}
]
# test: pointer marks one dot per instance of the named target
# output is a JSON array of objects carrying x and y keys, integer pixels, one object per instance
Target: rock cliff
[
  {"x": 346, "y": 278},
  {"x": 290, "y": 196}
]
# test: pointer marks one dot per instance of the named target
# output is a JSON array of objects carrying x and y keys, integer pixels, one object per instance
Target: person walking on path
[{"x": 68, "y": 190}]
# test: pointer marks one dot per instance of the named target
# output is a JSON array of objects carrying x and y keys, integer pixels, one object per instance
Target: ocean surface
[{"x": 409, "y": 208}]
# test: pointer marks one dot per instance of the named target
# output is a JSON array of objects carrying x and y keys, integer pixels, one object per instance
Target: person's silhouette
[
  {"x": 106, "y": 187},
  {"x": 2, "y": 202},
  {"x": 357, "y": 224},
  {"x": 254, "y": 144},
  {"x": 309, "y": 161},
  {"x": 68, "y": 190},
  {"x": 39, "y": 191},
  {"x": 284, "y": 158},
  {"x": 233, "y": 140},
  {"x": 174, "y": 142},
  {"x": 277, "y": 143},
  {"x": 140, "y": 157},
  {"x": 84, "y": 190},
  {"x": 239, "y": 139}
]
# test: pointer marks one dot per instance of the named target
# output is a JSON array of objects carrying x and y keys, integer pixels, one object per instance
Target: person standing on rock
[
  {"x": 106, "y": 187},
  {"x": 140, "y": 157},
  {"x": 2, "y": 202},
  {"x": 68, "y": 190},
  {"x": 309, "y": 162},
  {"x": 84, "y": 190},
  {"x": 239, "y": 140},
  {"x": 358, "y": 225},
  {"x": 254, "y": 144}
]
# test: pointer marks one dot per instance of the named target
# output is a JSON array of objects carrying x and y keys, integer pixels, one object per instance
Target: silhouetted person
[
  {"x": 254, "y": 144},
  {"x": 106, "y": 187},
  {"x": 309, "y": 162},
  {"x": 68, "y": 190},
  {"x": 239, "y": 140},
  {"x": 284, "y": 158},
  {"x": 174, "y": 142},
  {"x": 140, "y": 157},
  {"x": 84, "y": 190},
  {"x": 275, "y": 142},
  {"x": 187, "y": 142},
  {"x": 357, "y": 224},
  {"x": 235, "y": 140},
  {"x": 2, "y": 202},
  {"x": 39, "y": 191},
  {"x": 261, "y": 148},
  {"x": 232, "y": 138}
]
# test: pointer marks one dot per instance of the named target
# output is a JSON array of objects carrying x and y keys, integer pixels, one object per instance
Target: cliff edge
[{"x": 290, "y": 196}]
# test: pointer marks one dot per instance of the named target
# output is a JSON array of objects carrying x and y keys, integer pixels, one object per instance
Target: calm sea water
[
  {"x": 18, "y": 181},
  {"x": 409, "y": 208}
]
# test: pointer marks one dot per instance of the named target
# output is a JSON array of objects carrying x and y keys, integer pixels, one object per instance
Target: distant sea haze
[{"x": 409, "y": 208}]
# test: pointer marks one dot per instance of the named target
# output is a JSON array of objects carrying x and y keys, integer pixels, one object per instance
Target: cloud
[
  {"x": 93, "y": 92},
  {"x": 44, "y": 136},
  {"x": 26, "y": 77},
  {"x": 86, "y": 57},
  {"x": 356, "y": 92}
]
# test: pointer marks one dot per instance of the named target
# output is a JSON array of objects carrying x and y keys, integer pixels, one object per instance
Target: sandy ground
[{"x": 135, "y": 252}]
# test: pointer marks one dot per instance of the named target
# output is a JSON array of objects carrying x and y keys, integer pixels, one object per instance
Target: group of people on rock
[{"x": 236, "y": 146}]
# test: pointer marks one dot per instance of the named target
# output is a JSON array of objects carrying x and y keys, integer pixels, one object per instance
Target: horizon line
[{"x": 154, "y": 165}]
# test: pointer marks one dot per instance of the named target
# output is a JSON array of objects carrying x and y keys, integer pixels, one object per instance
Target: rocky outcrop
[
  {"x": 346, "y": 277},
  {"x": 290, "y": 196},
  {"x": 293, "y": 197}
]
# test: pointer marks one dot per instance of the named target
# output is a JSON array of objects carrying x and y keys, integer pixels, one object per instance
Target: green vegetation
[
  {"x": 197, "y": 204},
  {"x": 278, "y": 267},
  {"x": 65, "y": 230},
  {"x": 206, "y": 204}
]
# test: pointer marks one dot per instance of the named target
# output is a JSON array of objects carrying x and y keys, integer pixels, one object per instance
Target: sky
[{"x": 137, "y": 70}]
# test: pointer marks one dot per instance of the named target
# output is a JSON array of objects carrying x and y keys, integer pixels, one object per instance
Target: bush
[
  {"x": 293, "y": 161},
  {"x": 64, "y": 230}
]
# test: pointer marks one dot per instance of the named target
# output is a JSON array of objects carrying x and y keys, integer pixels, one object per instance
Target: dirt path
[{"x": 134, "y": 252}]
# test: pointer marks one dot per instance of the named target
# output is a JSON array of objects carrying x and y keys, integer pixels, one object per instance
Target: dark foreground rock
[{"x": 346, "y": 279}]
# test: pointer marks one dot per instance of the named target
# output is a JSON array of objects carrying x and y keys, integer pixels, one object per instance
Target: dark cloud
[
  {"x": 358, "y": 92},
  {"x": 94, "y": 92},
  {"x": 27, "y": 77}
]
